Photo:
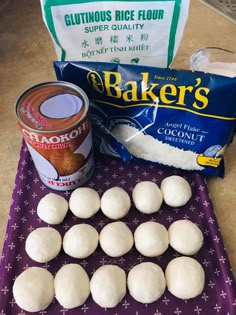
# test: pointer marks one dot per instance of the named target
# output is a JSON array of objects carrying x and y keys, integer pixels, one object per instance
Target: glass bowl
[{"x": 214, "y": 60}]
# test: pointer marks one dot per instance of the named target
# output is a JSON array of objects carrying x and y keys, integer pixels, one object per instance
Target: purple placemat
[{"x": 219, "y": 295}]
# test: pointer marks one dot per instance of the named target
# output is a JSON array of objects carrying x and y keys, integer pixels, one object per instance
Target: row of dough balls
[
  {"x": 35, "y": 288},
  {"x": 115, "y": 203},
  {"x": 116, "y": 239}
]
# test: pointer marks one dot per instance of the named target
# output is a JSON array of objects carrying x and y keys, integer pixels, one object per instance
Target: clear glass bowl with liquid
[{"x": 214, "y": 60}]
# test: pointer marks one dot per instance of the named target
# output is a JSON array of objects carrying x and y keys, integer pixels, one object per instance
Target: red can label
[{"x": 55, "y": 124}]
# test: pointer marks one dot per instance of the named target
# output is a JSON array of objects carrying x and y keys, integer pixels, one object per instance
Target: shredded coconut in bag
[
  {"x": 177, "y": 118},
  {"x": 148, "y": 148},
  {"x": 139, "y": 32}
]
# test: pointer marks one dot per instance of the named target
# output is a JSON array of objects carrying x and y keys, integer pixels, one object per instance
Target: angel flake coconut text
[{"x": 183, "y": 133}]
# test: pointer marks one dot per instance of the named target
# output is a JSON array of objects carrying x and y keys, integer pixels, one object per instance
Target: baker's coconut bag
[
  {"x": 139, "y": 32},
  {"x": 176, "y": 118}
]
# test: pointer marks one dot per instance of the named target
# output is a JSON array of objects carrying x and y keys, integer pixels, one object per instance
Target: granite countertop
[{"x": 26, "y": 55}]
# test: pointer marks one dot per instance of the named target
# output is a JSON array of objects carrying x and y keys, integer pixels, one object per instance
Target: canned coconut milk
[{"x": 54, "y": 120}]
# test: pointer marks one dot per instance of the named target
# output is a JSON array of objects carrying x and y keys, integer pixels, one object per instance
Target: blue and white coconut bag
[{"x": 176, "y": 118}]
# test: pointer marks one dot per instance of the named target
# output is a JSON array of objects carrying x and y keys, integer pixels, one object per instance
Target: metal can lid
[{"x": 51, "y": 106}]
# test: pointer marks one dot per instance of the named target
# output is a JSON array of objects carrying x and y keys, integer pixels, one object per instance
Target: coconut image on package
[
  {"x": 170, "y": 117},
  {"x": 138, "y": 32}
]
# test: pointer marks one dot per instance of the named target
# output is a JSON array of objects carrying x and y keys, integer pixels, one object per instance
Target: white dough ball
[
  {"x": 176, "y": 191},
  {"x": 72, "y": 286},
  {"x": 146, "y": 282},
  {"x": 84, "y": 202},
  {"x": 108, "y": 286},
  {"x": 80, "y": 241},
  {"x": 33, "y": 289},
  {"x": 185, "y": 277},
  {"x": 115, "y": 203},
  {"x": 43, "y": 244},
  {"x": 116, "y": 239},
  {"x": 151, "y": 239},
  {"x": 52, "y": 208},
  {"x": 185, "y": 237},
  {"x": 147, "y": 197}
]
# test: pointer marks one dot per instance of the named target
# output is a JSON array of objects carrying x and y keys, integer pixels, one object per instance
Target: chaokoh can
[{"x": 54, "y": 120}]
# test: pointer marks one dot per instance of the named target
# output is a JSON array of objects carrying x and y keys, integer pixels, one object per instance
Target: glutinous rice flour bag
[{"x": 137, "y": 32}]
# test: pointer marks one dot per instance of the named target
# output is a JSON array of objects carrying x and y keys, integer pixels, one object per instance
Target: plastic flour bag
[
  {"x": 176, "y": 118},
  {"x": 139, "y": 32}
]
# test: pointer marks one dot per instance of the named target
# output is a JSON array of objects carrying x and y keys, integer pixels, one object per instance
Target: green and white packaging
[{"x": 140, "y": 32}]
